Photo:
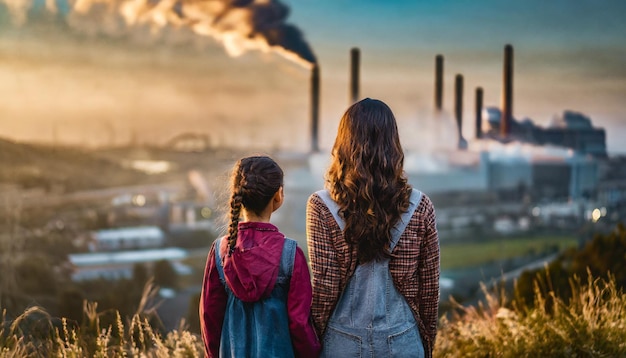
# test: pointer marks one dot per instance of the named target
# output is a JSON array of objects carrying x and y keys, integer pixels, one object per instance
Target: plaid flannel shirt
[{"x": 414, "y": 265}]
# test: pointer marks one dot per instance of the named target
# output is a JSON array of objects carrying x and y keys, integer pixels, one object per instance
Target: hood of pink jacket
[{"x": 252, "y": 269}]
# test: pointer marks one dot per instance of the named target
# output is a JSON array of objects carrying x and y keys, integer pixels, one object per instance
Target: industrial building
[
  {"x": 570, "y": 130},
  {"x": 552, "y": 176},
  {"x": 120, "y": 264},
  {"x": 126, "y": 238},
  {"x": 509, "y": 170}
]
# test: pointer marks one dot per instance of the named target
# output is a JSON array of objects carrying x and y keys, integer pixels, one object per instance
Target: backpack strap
[
  {"x": 396, "y": 231},
  {"x": 287, "y": 259},
  {"x": 218, "y": 260}
]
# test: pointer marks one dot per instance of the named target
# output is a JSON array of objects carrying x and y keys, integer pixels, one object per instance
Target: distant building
[
  {"x": 119, "y": 265},
  {"x": 128, "y": 238},
  {"x": 190, "y": 142},
  {"x": 571, "y": 130},
  {"x": 611, "y": 191},
  {"x": 558, "y": 176}
]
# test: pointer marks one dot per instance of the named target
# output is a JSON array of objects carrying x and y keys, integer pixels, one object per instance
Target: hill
[{"x": 61, "y": 169}]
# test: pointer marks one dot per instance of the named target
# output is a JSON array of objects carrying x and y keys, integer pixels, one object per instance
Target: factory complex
[{"x": 511, "y": 174}]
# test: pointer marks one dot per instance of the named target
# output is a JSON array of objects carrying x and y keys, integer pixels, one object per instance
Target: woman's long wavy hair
[
  {"x": 366, "y": 177},
  {"x": 254, "y": 181}
]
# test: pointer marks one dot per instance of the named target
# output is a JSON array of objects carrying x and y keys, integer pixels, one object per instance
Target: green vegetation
[
  {"x": 29, "y": 281},
  {"x": 475, "y": 253},
  {"x": 605, "y": 254},
  {"x": 164, "y": 274}
]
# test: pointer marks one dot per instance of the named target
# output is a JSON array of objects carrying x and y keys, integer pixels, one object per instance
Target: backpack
[{"x": 261, "y": 328}]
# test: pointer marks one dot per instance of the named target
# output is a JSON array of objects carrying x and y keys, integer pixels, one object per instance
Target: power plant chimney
[
  {"x": 507, "y": 93},
  {"x": 438, "y": 83},
  {"x": 355, "y": 57},
  {"x": 315, "y": 107},
  {"x": 458, "y": 109},
  {"x": 479, "y": 112}
]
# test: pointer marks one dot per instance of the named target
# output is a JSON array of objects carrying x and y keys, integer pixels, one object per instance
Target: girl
[
  {"x": 373, "y": 245},
  {"x": 256, "y": 294}
]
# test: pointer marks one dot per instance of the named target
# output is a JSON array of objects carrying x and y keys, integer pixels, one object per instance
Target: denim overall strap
[
  {"x": 396, "y": 231},
  {"x": 332, "y": 206}
]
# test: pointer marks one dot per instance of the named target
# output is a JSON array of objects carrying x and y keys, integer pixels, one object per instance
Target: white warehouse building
[{"x": 128, "y": 238}]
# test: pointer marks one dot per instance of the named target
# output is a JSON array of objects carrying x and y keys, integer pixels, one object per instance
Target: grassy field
[{"x": 471, "y": 254}]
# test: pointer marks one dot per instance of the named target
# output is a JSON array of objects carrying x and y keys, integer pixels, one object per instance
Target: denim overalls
[
  {"x": 261, "y": 328},
  {"x": 372, "y": 319}
]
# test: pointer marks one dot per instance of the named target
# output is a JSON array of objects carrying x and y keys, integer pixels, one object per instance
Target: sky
[{"x": 64, "y": 79}]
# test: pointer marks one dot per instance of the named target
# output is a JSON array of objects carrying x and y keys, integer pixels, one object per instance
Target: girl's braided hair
[{"x": 254, "y": 181}]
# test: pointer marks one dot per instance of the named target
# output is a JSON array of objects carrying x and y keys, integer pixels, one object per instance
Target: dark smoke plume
[{"x": 239, "y": 25}]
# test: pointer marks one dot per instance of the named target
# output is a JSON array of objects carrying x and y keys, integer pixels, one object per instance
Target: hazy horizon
[{"x": 62, "y": 84}]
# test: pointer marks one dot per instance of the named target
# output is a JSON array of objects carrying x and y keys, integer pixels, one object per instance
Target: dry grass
[
  {"x": 592, "y": 324},
  {"x": 36, "y": 334}
]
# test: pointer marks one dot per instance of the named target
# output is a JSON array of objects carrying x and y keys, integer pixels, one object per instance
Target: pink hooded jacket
[{"x": 251, "y": 273}]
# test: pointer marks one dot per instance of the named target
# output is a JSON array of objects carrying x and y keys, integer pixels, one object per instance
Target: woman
[{"x": 373, "y": 245}]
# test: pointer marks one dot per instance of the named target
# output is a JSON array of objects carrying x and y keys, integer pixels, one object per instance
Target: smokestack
[
  {"x": 458, "y": 101},
  {"x": 507, "y": 93},
  {"x": 479, "y": 112},
  {"x": 438, "y": 83},
  {"x": 458, "y": 109},
  {"x": 315, "y": 107},
  {"x": 355, "y": 57}
]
